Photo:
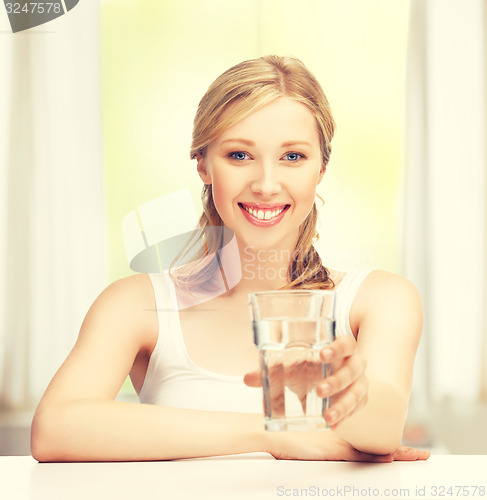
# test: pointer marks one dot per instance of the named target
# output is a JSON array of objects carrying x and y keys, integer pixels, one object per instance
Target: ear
[
  {"x": 202, "y": 169},
  {"x": 322, "y": 173}
]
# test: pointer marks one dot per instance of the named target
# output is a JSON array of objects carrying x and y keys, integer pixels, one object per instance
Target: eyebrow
[
  {"x": 240, "y": 141},
  {"x": 284, "y": 144},
  {"x": 295, "y": 143}
]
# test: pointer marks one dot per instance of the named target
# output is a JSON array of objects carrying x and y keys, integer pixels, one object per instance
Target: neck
[
  {"x": 262, "y": 268},
  {"x": 246, "y": 269}
]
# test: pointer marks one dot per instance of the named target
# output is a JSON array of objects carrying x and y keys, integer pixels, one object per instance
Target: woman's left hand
[{"x": 347, "y": 385}]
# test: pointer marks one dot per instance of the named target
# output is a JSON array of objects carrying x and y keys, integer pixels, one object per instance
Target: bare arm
[
  {"x": 78, "y": 419},
  {"x": 389, "y": 317},
  {"x": 101, "y": 430}
]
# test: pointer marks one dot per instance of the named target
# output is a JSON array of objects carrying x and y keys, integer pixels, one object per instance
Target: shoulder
[
  {"x": 129, "y": 304},
  {"x": 132, "y": 292},
  {"x": 384, "y": 284},
  {"x": 133, "y": 286},
  {"x": 389, "y": 298}
]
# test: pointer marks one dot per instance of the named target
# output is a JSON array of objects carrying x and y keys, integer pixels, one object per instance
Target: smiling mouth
[{"x": 264, "y": 214}]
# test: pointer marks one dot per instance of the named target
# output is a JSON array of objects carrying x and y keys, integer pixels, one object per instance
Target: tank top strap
[
  {"x": 168, "y": 344},
  {"x": 345, "y": 294}
]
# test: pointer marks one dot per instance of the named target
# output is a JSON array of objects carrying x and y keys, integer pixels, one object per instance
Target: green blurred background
[{"x": 158, "y": 58}]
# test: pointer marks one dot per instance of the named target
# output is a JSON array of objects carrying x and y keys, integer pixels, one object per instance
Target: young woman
[{"x": 261, "y": 140}]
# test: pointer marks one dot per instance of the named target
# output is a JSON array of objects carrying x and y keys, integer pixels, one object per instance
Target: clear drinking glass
[{"x": 291, "y": 327}]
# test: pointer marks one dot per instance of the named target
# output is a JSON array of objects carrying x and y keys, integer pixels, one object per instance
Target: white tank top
[{"x": 172, "y": 379}]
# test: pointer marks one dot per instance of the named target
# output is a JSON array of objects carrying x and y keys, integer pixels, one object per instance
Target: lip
[{"x": 264, "y": 206}]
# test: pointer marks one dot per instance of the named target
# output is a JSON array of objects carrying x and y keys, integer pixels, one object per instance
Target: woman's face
[{"x": 264, "y": 171}]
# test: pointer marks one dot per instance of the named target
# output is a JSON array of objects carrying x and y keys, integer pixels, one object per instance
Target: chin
[{"x": 262, "y": 243}]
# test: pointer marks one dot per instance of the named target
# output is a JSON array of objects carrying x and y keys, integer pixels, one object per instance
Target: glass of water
[{"x": 291, "y": 327}]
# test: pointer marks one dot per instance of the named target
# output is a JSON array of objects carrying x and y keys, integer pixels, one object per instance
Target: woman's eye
[
  {"x": 239, "y": 155},
  {"x": 294, "y": 156}
]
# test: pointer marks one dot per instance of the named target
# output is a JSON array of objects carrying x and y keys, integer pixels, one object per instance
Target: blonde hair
[{"x": 246, "y": 87}]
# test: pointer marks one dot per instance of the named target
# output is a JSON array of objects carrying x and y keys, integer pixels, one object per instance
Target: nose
[{"x": 266, "y": 180}]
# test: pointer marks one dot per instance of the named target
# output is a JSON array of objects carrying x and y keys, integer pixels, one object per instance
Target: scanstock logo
[{"x": 24, "y": 15}]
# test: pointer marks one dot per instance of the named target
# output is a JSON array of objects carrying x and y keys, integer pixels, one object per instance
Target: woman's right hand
[{"x": 326, "y": 445}]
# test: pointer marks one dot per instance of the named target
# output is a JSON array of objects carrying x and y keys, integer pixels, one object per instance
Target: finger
[
  {"x": 405, "y": 453},
  {"x": 339, "y": 348},
  {"x": 253, "y": 379},
  {"x": 351, "y": 370},
  {"x": 424, "y": 454},
  {"x": 347, "y": 403}
]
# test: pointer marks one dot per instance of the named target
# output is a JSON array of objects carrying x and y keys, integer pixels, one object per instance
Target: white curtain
[
  {"x": 52, "y": 206},
  {"x": 445, "y": 188}
]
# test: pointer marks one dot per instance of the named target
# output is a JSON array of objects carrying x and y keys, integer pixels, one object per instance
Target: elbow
[
  {"x": 44, "y": 438},
  {"x": 377, "y": 438},
  {"x": 38, "y": 448},
  {"x": 382, "y": 441},
  {"x": 379, "y": 446}
]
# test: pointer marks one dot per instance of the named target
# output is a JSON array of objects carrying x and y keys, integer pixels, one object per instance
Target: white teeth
[{"x": 263, "y": 214}]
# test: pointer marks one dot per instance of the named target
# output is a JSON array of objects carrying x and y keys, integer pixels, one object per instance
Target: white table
[{"x": 252, "y": 476}]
